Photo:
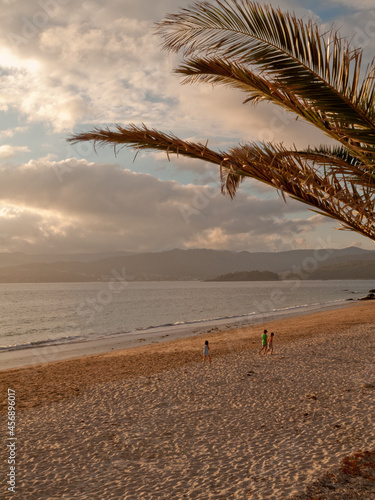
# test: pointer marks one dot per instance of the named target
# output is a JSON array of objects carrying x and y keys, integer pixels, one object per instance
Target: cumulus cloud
[
  {"x": 8, "y": 151},
  {"x": 359, "y": 4},
  {"x": 79, "y": 205},
  {"x": 359, "y": 28},
  {"x": 83, "y": 63},
  {"x": 69, "y": 63},
  {"x": 10, "y": 132}
]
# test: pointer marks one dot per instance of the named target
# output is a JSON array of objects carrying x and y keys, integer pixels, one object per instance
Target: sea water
[{"x": 54, "y": 313}]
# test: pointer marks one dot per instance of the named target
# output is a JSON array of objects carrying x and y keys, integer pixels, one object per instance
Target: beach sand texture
[{"x": 155, "y": 423}]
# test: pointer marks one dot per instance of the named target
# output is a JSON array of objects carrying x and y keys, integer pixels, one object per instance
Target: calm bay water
[{"x": 62, "y": 312}]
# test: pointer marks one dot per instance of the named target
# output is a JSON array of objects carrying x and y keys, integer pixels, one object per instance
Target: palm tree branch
[
  {"x": 220, "y": 71},
  {"x": 292, "y": 173},
  {"x": 340, "y": 161},
  {"x": 144, "y": 138},
  {"x": 284, "y": 170},
  {"x": 293, "y": 52}
]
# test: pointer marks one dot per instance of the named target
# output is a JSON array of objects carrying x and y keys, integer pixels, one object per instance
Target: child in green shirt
[{"x": 264, "y": 342}]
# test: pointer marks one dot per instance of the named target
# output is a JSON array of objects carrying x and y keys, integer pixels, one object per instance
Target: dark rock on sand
[{"x": 369, "y": 296}]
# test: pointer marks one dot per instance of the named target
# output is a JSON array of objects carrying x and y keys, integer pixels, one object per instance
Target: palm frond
[
  {"x": 290, "y": 172},
  {"x": 321, "y": 70},
  {"x": 276, "y": 57},
  {"x": 297, "y": 175},
  {"x": 340, "y": 161},
  {"x": 143, "y": 138},
  {"x": 257, "y": 88}
]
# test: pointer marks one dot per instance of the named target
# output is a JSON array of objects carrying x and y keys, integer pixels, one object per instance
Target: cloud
[
  {"x": 8, "y": 151},
  {"x": 79, "y": 64},
  {"x": 66, "y": 66},
  {"x": 10, "y": 132},
  {"x": 359, "y": 28},
  {"x": 69, "y": 63},
  {"x": 74, "y": 204},
  {"x": 358, "y": 5},
  {"x": 266, "y": 234}
]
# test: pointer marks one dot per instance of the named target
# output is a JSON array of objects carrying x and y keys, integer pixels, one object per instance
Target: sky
[{"x": 68, "y": 66}]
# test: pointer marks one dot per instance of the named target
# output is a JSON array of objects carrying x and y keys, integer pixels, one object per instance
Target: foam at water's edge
[{"x": 253, "y": 317}]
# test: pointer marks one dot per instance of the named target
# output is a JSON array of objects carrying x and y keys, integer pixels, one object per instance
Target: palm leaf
[
  {"x": 289, "y": 171},
  {"x": 276, "y": 57},
  {"x": 321, "y": 70},
  {"x": 236, "y": 75}
]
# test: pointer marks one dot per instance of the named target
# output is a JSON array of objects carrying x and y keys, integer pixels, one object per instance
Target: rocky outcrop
[{"x": 369, "y": 296}]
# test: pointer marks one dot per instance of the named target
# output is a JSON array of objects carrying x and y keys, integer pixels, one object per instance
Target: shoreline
[
  {"x": 33, "y": 355},
  {"x": 60, "y": 379},
  {"x": 152, "y": 421}
]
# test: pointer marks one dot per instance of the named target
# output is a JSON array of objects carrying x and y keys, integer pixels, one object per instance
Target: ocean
[{"x": 55, "y": 313}]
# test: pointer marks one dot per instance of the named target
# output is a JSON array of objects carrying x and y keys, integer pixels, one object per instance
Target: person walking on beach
[
  {"x": 264, "y": 342},
  {"x": 270, "y": 343},
  {"x": 206, "y": 352}
]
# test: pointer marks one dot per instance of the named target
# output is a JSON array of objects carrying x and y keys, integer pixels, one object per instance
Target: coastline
[
  {"x": 150, "y": 422},
  {"x": 53, "y": 317},
  {"x": 56, "y": 380},
  {"x": 45, "y": 352}
]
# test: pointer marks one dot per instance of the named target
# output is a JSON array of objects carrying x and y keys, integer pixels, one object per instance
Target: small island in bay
[{"x": 247, "y": 276}]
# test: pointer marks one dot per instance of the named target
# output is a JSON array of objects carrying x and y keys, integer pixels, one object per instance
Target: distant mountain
[
  {"x": 248, "y": 276},
  {"x": 201, "y": 264},
  {"x": 197, "y": 264},
  {"x": 46, "y": 273},
  {"x": 351, "y": 270},
  {"x": 18, "y": 258}
]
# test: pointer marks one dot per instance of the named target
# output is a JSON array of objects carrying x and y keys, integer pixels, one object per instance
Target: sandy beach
[{"x": 154, "y": 423}]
